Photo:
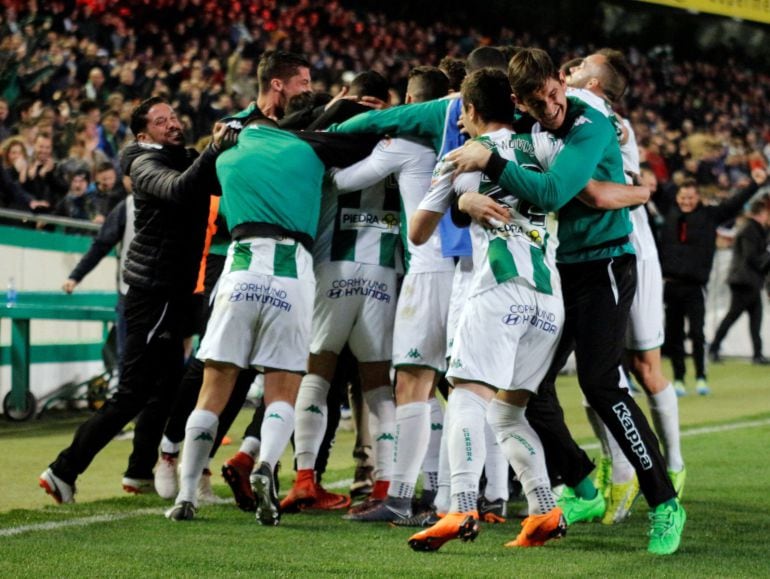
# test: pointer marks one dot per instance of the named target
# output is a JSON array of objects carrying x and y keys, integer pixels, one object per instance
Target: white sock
[
  {"x": 467, "y": 447},
  {"x": 522, "y": 447},
  {"x": 664, "y": 408},
  {"x": 495, "y": 467},
  {"x": 250, "y": 446},
  {"x": 412, "y": 436},
  {"x": 198, "y": 441},
  {"x": 383, "y": 408},
  {"x": 168, "y": 447},
  {"x": 622, "y": 470},
  {"x": 276, "y": 431},
  {"x": 430, "y": 464},
  {"x": 442, "y": 500},
  {"x": 312, "y": 413}
]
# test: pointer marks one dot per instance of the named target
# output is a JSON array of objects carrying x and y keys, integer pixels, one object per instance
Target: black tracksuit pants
[
  {"x": 747, "y": 299},
  {"x": 152, "y": 368},
  {"x": 685, "y": 300},
  {"x": 597, "y": 299}
]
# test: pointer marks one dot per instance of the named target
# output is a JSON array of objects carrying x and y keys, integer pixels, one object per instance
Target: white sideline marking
[{"x": 85, "y": 521}]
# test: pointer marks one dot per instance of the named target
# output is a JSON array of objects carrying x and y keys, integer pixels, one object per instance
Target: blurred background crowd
[{"x": 71, "y": 72}]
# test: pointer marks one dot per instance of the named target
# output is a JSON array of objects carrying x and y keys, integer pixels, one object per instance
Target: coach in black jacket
[
  {"x": 748, "y": 269},
  {"x": 687, "y": 246},
  {"x": 171, "y": 196}
]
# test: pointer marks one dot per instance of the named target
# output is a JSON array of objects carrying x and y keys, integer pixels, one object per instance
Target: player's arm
[
  {"x": 436, "y": 202},
  {"x": 418, "y": 120},
  {"x": 483, "y": 209},
  {"x": 382, "y": 162},
  {"x": 608, "y": 195},
  {"x": 569, "y": 174}
]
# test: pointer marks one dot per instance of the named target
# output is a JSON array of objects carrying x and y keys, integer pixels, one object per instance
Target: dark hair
[
  {"x": 454, "y": 69},
  {"x": 616, "y": 73},
  {"x": 139, "y": 115},
  {"x": 757, "y": 206},
  {"x": 688, "y": 183},
  {"x": 427, "y": 83},
  {"x": 278, "y": 64},
  {"x": 509, "y": 51},
  {"x": 104, "y": 166},
  {"x": 488, "y": 91},
  {"x": 529, "y": 70},
  {"x": 80, "y": 172},
  {"x": 370, "y": 83},
  {"x": 485, "y": 57},
  {"x": 88, "y": 105}
]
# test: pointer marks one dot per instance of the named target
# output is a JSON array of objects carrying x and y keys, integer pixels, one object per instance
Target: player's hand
[
  {"x": 484, "y": 209},
  {"x": 69, "y": 286},
  {"x": 473, "y": 156},
  {"x": 373, "y": 103},
  {"x": 223, "y": 137}
]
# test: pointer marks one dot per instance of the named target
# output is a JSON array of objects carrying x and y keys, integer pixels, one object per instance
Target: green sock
[{"x": 585, "y": 489}]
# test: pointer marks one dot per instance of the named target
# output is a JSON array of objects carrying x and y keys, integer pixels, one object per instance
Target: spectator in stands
[
  {"x": 45, "y": 181},
  {"x": 749, "y": 266},
  {"x": 15, "y": 159},
  {"x": 111, "y": 132},
  {"x": 77, "y": 203},
  {"x": 106, "y": 191},
  {"x": 5, "y": 129},
  {"x": 95, "y": 88},
  {"x": 687, "y": 246}
]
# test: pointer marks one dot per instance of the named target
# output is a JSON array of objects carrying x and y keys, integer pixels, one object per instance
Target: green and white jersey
[
  {"x": 360, "y": 224},
  {"x": 271, "y": 176},
  {"x": 590, "y": 151},
  {"x": 411, "y": 165},
  {"x": 523, "y": 250}
]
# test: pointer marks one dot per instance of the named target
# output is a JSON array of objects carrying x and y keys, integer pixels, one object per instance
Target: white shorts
[
  {"x": 645, "y": 323},
  {"x": 419, "y": 338},
  {"x": 507, "y": 337},
  {"x": 354, "y": 303},
  {"x": 262, "y": 306},
  {"x": 461, "y": 287}
]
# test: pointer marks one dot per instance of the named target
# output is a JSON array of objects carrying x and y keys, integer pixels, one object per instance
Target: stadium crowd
[
  {"x": 93, "y": 95},
  {"x": 73, "y": 71}
]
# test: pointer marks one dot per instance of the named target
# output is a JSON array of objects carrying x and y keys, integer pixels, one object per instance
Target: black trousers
[
  {"x": 597, "y": 299},
  {"x": 742, "y": 299},
  {"x": 685, "y": 301},
  {"x": 152, "y": 368}
]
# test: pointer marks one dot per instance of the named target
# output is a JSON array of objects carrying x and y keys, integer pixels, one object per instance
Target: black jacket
[
  {"x": 751, "y": 260},
  {"x": 688, "y": 240},
  {"x": 171, "y": 195}
]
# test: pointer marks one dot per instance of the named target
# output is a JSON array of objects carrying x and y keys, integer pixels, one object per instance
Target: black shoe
[
  {"x": 715, "y": 357},
  {"x": 265, "y": 487},
  {"x": 760, "y": 361},
  {"x": 184, "y": 511}
]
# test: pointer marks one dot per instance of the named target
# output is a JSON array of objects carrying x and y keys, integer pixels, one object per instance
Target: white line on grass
[
  {"x": 85, "y": 521},
  {"x": 52, "y": 526}
]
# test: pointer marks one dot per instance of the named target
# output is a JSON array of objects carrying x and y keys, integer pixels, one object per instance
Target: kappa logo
[
  {"x": 582, "y": 120},
  {"x": 386, "y": 436},
  {"x": 313, "y": 409},
  {"x": 275, "y": 415},
  {"x": 204, "y": 436},
  {"x": 436, "y": 426},
  {"x": 413, "y": 353},
  {"x": 456, "y": 362}
]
